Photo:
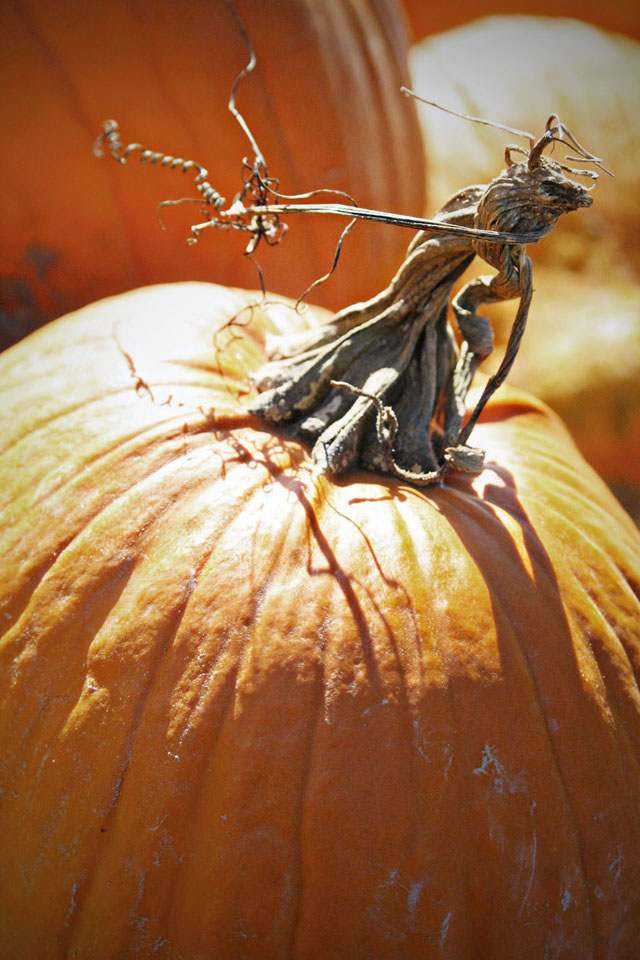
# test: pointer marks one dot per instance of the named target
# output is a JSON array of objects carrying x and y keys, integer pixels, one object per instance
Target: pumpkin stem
[{"x": 383, "y": 385}]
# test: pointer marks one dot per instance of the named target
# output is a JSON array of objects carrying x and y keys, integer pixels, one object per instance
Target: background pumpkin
[
  {"x": 589, "y": 77},
  {"x": 247, "y": 710},
  {"x": 587, "y": 367},
  {"x": 586, "y": 364},
  {"x": 324, "y": 105}
]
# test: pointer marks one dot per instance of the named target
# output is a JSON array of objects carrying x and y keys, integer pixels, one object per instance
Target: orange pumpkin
[
  {"x": 323, "y": 103},
  {"x": 248, "y": 710},
  {"x": 428, "y": 18}
]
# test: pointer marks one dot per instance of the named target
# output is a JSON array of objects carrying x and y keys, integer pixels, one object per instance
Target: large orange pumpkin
[
  {"x": 324, "y": 104},
  {"x": 250, "y": 711}
]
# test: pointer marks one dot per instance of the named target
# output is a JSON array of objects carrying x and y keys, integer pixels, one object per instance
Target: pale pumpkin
[
  {"x": 324, "y": 104},
  {"x": 587, "y": 368},
  {"x": 518, "y": 70},
  {"x": 582, "y": 351},
  {"x": 249, "y": 711}
]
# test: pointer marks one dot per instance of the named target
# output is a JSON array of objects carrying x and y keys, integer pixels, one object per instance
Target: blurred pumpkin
[
  {"x": 518, "y": 70},
  {"x": 586, "y": 366},
  {"x": 580, "y": 353},
  {"x": 248, "y": 710},
  {"x": 323, "y": 104}
]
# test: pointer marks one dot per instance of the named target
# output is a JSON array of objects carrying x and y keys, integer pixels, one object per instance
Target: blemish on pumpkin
[
  {"x": 413, "y": 898},
  {"x": 506, "y": 785},
  {"x": 503, "y": 782},
  {"x": 374, "y": 706},
  {"x": 413, "y": 894},
  {"x": 614, "y": 863},
  {"x": 566, "y": 899},
  {"x": 444, "y": 929},
  {"x": 532, "y": 853},
  {"x": 73, "y": 903},
  {"x": 41, "y": 259},
  {"x": 139, "y": 921}
]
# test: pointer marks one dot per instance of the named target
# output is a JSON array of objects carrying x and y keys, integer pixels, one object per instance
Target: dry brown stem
[{"x": 383, "y": 386}]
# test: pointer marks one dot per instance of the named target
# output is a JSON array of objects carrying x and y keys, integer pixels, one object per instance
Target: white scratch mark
[
  {"x": 566, "y": 899},
  {"x": 156, "y": 826},
  {"x": 503, "y": 783},
  {"x": 532, "y": 870},
  {"x": 424, "y": 745},
  {"x": 73, "y": 904},
  {"x": 448, "y": 752},
  {"x": 413, "y": 893},
  {"x": 444, "y": 929},
  {"x": 374, "y": 706},
  {"x": 614, "y": 864},
  {"x": 507, "y": 785},
  {"x": 422, "y": 740},
  {"x": 413, "y": 898}
]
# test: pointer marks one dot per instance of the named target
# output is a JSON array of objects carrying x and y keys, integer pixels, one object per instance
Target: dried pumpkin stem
[{"x": 383, "y": 385}]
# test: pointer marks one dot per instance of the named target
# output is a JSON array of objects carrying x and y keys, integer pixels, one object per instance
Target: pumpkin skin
[
  {"x": 251, "y": 711},
  {"x": 323, "y": 103}
]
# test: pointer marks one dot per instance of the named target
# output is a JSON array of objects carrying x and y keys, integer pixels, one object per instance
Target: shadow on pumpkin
[
  {"x": 527, "y": 605},
  {"x": 476, "y": 760},
  {"x": 549, "y": 748}
]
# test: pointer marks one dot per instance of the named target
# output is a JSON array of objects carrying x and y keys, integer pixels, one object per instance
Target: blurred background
[{"x": 325, "y": 108}]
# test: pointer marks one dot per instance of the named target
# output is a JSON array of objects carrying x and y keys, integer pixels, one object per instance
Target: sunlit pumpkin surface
[{"x": 250, "y": 711}]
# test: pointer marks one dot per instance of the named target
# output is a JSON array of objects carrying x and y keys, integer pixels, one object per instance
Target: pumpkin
[
  {"x": 587, "y": 368},
  {"x": 323, "y": 103},
  {"x": 586, "y": 364},
  {"x": 589, "y": 77},
  {"x": 249, "y": 710}
]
